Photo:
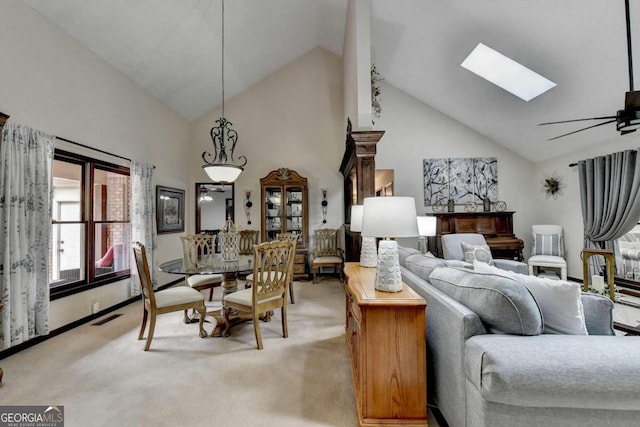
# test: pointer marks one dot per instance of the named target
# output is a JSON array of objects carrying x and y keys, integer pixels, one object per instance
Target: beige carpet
[{"x": 103, "y": 377}]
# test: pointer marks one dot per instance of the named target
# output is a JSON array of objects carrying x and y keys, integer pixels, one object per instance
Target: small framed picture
[{"x": 169, "y": 209}]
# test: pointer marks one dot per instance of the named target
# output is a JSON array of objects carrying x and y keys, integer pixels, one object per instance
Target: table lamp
[
  {"x": 389, "y": 217},
  {"x": 368, "y": 250},
  {"x": 426, "y": 228}
]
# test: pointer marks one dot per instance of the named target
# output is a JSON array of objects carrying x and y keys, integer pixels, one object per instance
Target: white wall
[
  {"x": 414, "y": 131},
  {"x": 52, "y": 83},
  {"x": 293, "y": 119}
]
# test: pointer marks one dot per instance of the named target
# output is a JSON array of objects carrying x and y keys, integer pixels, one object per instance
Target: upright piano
[{"x": 497, "y": 228}]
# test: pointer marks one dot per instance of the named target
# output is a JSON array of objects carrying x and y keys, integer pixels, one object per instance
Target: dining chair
[
  {"x": 248, "y": 238},
  {"x": 194, "y": 248},
  {"x": 326, "y": 252},
  {"x": 290, "y": 237},
  {"x": 272, "y": 268},
  {"x": 179, "y": 298}
]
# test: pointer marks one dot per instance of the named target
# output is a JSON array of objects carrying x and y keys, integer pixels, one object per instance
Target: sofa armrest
[
  {"x": 598, "y": 314},
  {"x": 633, "y": 254}
]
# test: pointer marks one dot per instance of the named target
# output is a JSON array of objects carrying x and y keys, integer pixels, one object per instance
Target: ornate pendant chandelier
[{"x": 220, "y": 166}]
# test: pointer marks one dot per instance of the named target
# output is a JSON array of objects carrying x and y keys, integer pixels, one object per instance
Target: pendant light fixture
[{"x": 220, "y": 166}]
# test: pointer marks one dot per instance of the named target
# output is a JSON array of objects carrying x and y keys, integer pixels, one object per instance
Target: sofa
[
  {"x": 481, "y": 376},
  {"x": 628, "y": 256}
]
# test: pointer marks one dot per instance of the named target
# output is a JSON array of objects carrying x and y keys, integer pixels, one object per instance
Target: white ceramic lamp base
[
  {"x": 368, "y": 252},
  {"x": 388, "y": 276}
]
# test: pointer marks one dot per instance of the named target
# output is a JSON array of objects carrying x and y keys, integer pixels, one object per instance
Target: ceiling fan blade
[
  {"x": 580, "y": 130},
  {"x": 577, "y": 120}
]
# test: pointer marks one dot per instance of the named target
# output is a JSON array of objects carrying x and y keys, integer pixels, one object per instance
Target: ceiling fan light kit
[{"x": 628, "y": 120}]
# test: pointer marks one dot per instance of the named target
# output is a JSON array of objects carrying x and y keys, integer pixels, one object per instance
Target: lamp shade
[
  {"x": 356, "y": 218},
  {"x": 426, "y": 225},
  {"x": 223, "y": 173},
  {"x": 389, "y": 217}
]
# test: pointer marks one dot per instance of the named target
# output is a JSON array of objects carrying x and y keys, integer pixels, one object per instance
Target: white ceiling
[{"x": 173, "y": 49}]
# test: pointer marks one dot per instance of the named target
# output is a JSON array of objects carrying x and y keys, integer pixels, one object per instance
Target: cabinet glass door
[
  {"x": 273, "y": 209},
  {"x": 294, "y": 208}
]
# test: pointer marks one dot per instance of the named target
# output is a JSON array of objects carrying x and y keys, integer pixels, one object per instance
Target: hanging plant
[{"x": 376, "y": 109}]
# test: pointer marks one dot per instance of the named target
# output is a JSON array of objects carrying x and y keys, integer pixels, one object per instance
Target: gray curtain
[
  {"x": 26, "y": 157},
  {"x": 610, "y": 198}
]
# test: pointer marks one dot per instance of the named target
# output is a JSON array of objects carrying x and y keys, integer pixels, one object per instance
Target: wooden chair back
[
  {"x": 195, "y": 247},
  {"x": 326, "y": 242},
  {"x": 291, "y": 237},
  {"x": 272, "y": 269},
  {"x": 142, "y": 265},
  {"x": 248, "y": 238}
]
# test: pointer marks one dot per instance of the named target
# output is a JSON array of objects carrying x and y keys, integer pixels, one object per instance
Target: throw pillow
[
  {"x": 560, "y": 301},
  {"x": 504, "y": 305},
  {"x": 547, "y": 244},
  {"x": 480, "y": 253}
]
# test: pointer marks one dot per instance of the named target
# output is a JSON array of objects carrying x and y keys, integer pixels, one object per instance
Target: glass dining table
[{"x": 215, "y": 265}]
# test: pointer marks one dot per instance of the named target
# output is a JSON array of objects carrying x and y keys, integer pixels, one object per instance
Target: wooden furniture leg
[{"x": 609, "y": 260}]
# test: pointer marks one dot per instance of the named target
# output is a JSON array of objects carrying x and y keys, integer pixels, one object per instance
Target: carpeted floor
[{"x": 103, "y": 377}]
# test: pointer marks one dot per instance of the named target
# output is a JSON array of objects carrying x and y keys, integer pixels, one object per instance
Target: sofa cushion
[
  {"x": 423, "y": 265},
  {"x": 481, "y": 253},
  {"x": 559, "y": 300},
  {"x": 503, "y": 304},
  {"x": 569, "y": 371}
]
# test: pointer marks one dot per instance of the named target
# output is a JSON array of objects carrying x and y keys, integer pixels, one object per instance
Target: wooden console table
[
  {"x": 497, "y": 228},
  {"x": 385, "y": 333}
]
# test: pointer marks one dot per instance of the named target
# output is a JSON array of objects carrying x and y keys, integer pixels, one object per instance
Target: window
[{"x": 90, "y": 224}]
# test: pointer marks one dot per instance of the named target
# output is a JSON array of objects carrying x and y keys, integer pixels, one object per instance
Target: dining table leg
[{"x": 229, "y": 286}]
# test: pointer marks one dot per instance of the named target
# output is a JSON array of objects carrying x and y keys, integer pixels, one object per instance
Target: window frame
[{"x": 87, "y": 218}]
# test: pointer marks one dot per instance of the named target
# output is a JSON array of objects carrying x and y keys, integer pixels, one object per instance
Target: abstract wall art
[{"x": 465, "y": 180}]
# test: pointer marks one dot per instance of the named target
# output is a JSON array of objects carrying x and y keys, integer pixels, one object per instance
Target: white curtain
[
  {"x": 143, "y": 219},
  {"x": 26, "y": 157}
]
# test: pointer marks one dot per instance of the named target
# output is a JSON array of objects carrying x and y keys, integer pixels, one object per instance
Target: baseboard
[{"x": 37, "y": 340}]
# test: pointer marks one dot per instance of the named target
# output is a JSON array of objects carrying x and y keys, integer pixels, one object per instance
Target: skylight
[{"x": 506, "y": 73}]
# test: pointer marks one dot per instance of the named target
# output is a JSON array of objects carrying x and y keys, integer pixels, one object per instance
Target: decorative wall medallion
[{"x": 553, "y": 186}]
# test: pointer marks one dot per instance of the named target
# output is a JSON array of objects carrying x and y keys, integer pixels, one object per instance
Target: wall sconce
[
  {"x": 247, "y": 206},
  {"x": 324, "y": 205}
]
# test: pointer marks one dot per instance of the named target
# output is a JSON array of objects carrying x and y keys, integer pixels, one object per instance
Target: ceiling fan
[{"x": 627, "y": 120}]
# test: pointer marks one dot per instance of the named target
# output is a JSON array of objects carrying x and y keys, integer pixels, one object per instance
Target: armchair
[
  {"x": 548, "y": 249},
  {"x": 452, "y": 249}
]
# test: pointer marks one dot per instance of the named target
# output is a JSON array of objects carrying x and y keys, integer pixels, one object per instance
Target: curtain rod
[
  {"x": 95, "y": 149},
  {"x": 92, "y": 148}
]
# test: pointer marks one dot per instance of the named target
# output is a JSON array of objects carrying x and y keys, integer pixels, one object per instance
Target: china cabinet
[{"x": 284, "y": 209}]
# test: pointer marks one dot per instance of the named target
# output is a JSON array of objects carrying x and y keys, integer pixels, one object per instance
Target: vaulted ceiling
[{"x": 173, "y": 50}]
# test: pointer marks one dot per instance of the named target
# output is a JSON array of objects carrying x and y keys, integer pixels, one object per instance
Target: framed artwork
[
  {"x": 463, "y": 180},
  {"x": 169, "y": 209}
]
